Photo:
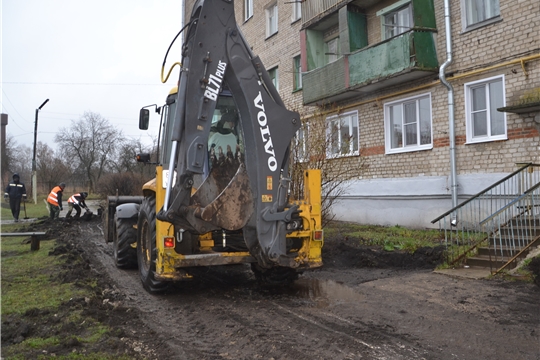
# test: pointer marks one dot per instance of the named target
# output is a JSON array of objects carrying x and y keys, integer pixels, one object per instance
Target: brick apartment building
[{"x": 378, "y": 64}]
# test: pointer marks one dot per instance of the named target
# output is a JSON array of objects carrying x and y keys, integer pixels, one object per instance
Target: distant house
[{"x": 378, "y": 64}]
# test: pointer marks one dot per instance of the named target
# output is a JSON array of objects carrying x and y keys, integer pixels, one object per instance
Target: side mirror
[
  {"x": 144, "y": 119},
  {"x": 144, "y": 158}
]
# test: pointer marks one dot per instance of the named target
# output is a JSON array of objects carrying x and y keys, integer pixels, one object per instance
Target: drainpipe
[{"x": 451, "y": 120}]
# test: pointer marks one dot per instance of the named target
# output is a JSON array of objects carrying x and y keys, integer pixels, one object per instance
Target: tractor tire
[
  {"x": 125, "y": 255},
  {"x": 277, "y": 276},
  {"x": 146, "y": 246}
]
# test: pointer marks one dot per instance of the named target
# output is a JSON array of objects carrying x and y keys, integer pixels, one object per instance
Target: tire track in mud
[{"x": 225, "y": 315}]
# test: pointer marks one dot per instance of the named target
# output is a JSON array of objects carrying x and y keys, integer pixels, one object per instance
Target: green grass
[
  {"x": 30, "y": 282},
  {"x": 32, "y": 210},
  {"x": 390, "y": 238},
  {"x": 28, "y": 277}
]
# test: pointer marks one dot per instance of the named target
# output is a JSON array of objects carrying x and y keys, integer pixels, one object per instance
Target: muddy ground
[{"x": 363, "y": 304}]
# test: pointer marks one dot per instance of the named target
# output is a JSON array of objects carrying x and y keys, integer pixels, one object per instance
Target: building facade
[{"x": 427, "y": 137}]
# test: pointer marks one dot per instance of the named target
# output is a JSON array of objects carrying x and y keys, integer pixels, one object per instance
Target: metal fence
[{"x": 474, "y": 221}]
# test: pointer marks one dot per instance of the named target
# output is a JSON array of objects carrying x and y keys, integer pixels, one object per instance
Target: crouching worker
[{"x": 76, "y": 202}]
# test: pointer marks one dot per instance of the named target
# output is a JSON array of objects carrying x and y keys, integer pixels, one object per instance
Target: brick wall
[{"x": 516, "y": 35}]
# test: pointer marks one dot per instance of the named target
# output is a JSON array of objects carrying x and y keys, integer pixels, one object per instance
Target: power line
[{"x": 81, "y": 84}]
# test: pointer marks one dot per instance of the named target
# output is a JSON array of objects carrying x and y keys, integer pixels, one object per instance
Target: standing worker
[
  {"x": 76, "y": 201},
  {"x": 54, "y": 201},
  {"x": 16, "y": 192}
]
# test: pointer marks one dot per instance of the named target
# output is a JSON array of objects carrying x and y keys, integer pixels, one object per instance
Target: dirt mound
[
  {"x": 105, "y": 305},
  {"x": 343, "y": 255},
  {"x": 534, "y": 267}
]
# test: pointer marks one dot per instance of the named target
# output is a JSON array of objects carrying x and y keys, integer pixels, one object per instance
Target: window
[
  {"x": 477, "y": 11},
  {"x": 297, "y": 72},
  {"x": 301, "y": 143},
  {"x": 342, "y": 134},
  {"x": 397, "y": 21},
  {"x": 484, "y": 122},
  {"x": 296, "y": 10},
  {"x": 271, "y": 20},
  {"x": 248, "y": 9},
  {"x": 408, "y": 124},
  {"x": 331, "y": 50},
  {"x": 274, "y": 76}
]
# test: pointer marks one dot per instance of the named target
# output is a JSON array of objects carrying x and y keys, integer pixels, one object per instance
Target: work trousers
[
  {"x": 15, "y": 205},
  {"x": 54, "y": 211},
  {"x": 77, "y": 209}
]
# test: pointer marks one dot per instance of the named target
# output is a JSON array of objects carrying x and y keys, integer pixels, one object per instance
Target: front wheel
[
  {"x": 146, "y": 246},
  {"x": 125, "y": 236}
]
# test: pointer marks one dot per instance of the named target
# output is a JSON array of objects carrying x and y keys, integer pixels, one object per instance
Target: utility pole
[{"x": 34, "y": 175}]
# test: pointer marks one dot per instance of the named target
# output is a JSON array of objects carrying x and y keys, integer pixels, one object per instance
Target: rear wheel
[
  {"x": 146, "y": 246},
  {"x": 125, "y": 255},
  {"x": 277, "y": 276}
]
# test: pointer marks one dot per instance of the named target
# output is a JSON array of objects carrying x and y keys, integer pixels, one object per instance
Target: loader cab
[{"x": 225, "y": 108}]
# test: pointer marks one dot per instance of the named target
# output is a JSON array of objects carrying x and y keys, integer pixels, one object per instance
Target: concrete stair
[{"x": 507, "y": 243}]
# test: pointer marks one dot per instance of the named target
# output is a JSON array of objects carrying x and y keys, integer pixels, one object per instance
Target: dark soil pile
[
  {"x": 103, "y": 307},
  {"x": 534, "y": 267},
  {"x": 347, "y": 253}
]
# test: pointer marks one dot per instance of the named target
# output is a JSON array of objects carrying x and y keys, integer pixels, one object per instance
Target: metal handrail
[
  {"x": 483, "y": 192},
  {"x": 525, "y": 194}
]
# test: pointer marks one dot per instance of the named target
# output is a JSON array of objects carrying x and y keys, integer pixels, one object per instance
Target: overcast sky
[{"x": 99, "y": 56}]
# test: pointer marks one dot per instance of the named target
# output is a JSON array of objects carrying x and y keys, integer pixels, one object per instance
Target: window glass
[
  {"x": 397, "y": 22},
  {"x": 408, "y": 124},
  {"x": 296, "y": 10},
  {"x": 342, "y": 134},
  {"x": 297, "y": 71},
  {"x": 274, "y": 76},
  {"x": 481, "y": 10},
  {"x": 248, "y": 9},
  {"x": 271, "y": 20},
  {"x": 332, "y": 50},
  {"x": 484, "y": 122}
]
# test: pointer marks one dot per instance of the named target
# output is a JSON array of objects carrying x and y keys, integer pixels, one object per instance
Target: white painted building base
[{"x": 409, "y": 202}]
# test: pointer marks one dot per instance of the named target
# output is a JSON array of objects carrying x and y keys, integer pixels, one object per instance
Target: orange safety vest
[
  {"x": 73, "y": 200},
  {"x": 53, "y": 196}
]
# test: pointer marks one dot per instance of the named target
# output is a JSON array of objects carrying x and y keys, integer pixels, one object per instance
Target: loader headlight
[{"x": 294, "y": 225}]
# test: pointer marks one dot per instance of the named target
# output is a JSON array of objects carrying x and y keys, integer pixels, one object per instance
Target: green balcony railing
[{"x": 403, "y": 58}]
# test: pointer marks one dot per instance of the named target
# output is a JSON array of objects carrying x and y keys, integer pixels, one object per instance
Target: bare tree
[
  {"x": 315, "y": 140},
  {"x": 16, "y": 158},
  {"x": 125, "y": 160},
  {"x": 51, "y": 167},
  {"x": 90, "y": 144}
]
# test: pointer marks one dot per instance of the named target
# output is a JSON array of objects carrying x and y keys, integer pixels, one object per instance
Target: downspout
[{"x": 451, "y": 119}]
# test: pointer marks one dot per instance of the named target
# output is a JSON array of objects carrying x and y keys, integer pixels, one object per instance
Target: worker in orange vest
[
  {"x": 54, "y": 201},
  {"x": 76, "y": 201}
]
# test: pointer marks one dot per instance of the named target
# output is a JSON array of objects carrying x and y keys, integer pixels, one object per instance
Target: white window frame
[
  {"x": 274, "y": 75},
  {"x": 301, "y": 139},
  {"x": 417, "y": 123},
  {"x": 296, "y": 10},
  {"x": 248, "y": 9},
  {"x": 271, "y": 19},
  {"x": 350, "y": 119},
  {"x": 489, "y": 11},
  {"x": 331, "y": 50},
  {"x": 395, "y": 8},
  {"x": 490, "y": 110},
  {"x": 297, "y": 72}
]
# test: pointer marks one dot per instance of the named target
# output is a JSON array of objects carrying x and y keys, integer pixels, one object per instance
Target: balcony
[
  {"x": 314, "y": 10},
  {"x": 401, "y": 59}
]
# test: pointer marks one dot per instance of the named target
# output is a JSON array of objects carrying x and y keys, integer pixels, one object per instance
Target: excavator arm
[{"x": 217, "y": 57}]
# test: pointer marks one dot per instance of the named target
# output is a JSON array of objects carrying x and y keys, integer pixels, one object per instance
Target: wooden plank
[{"x": 39, "y": 233}]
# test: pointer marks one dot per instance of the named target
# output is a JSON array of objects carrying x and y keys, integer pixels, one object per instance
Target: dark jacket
[{"x": 15, "y": 189}]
